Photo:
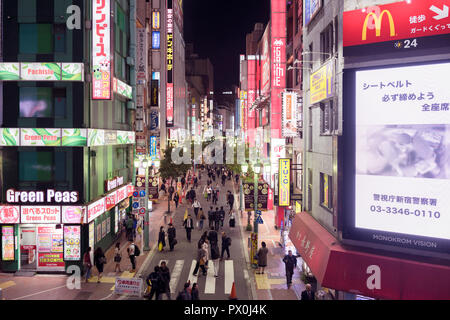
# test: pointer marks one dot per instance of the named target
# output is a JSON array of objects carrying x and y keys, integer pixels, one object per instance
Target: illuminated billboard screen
[{"x": 397, "y": 171}]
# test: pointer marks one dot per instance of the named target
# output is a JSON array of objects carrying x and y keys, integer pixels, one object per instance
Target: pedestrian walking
[
  {"x": 232, "y": 221},
  {"x": 237, "y": 178},
  {"x": 230, "y": 200},
  {"x": 195, "y": 182},
  {"x": 176, "y": 199},
  {"x": 129, "y": 227},
  {"x": 211, "y": 217},
  {"x": 209, "y": 192},
  {"x": 308, "y": 294},
  {"x": 185, "y": 294},
  {"x": 171, "y": 236},
  {"x": 135, "y": 222},
  {"x": 226, "y": 243},
  {"x": 189, "y": 225},
  {"x": 132, "y": 253},
  {"x": 154, "y": 281},
  {"x": 262, "y": 257},
  {"x": 87, "y": 263},
  {"x": 196, "y": 205},
  {"x": 212, "y": 236},
  {"x": 117, "y": 257},
  {"x": 217, "y": 219},
  {"x": 161, "y": 239},
  {"x": 201, "y": 220},
  {"x": 183, "y": 182},
  {"x": 164, "y": 273},
  {"x": 221, "y": 216},
  {"x": 290, "y": 262},
  {"x": 205, "y": 247},
  {"x": 215, "y": 255},
  {"x": 99, "y": 262},
  {"x": 214, "y": 196},
  {"x": 202, "y": 239},
  {"x": 200, "y": 261},
  {"x": 194, "y": 292},
  {"x": 171, "y": 192}
]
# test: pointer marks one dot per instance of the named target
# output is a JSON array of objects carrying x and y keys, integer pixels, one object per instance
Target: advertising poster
[
  {"x": 72, "y": 248},
  {"x": 74, "y": 137},
  {"x": 289, "y": 114},
  {"x": 311, "y": 9},
  {"x": 402, "y": 147},
  {"x": 129, "y": 286},
  {"x": 40, "y": 137},
  {"x": 116, "y": 219},
  {"x": 153, "y": 188},
  {"x": 50, "y": 248},
  {"x": 263, "y": 195},
  {"x": 322, "y": 83},
  {"x": 40, "y": 214},
  {"x": 104, "y": 230},
  {"x": 72, "y": 214},
  {"x": 9, "y": 137},
  {"x": 7, "y": 243},
  {"x": 249, "y": 195},
  {"x": 98, "y": 233},
  {"x": 92, "y": 234},
  {"x": 284, "y": 177},
  {"x": 108, "y": 225}
]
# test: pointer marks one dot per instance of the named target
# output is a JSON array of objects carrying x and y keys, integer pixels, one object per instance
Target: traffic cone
[{"x": 233, "y": 293}]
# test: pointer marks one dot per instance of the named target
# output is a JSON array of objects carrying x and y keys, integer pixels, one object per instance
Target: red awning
[{"x": 373, "y": 275}]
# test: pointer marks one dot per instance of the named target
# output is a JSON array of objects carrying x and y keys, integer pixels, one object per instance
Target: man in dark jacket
[
  {"x": 230, "y": 200},
  {"x": 189, "y": 225},
  {"x": 221, "y": 216},
  {"x": 212, "y": 236},
  {"x": 171, "y": 235},
  {"x": 211, "y": 217},
  {"x": 226, "y": 243},
  {"x": 171, "y": 191},
  {"x": 185, "y": 294},
  {"x": 164, "y": 274},
  {"x": 308, "y": 294},
  {"x": 290, "y": 262},
  {"x": 154, "y": 280},
  {"x": 216, "y": 219}
]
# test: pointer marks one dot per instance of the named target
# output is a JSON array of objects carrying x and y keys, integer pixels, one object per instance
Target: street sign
[
  {"x": 142, "y": 211},
  {"x": 258, "y": 212},
  {"x": 135, "y": 205},
  {"x": 135, "y": 194},
  {"x": 142, "y": 193},
  {"x": 259, "y": 220}
]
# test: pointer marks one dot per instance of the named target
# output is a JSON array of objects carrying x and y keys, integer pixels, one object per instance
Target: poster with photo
[{"x": 72, "y": 248}]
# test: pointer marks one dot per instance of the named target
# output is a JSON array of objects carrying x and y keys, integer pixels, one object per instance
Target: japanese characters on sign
[
  {"x": 156, "y": 20},
  {"x": 9, "y": 214},
  {"x": 289, "y": 114},
  {"x": 141, "y": 54},
  {"x": 72, "y": 243},
  {"x": 284, "y": 177},
  {"x": 40, "y": 214},
  {"x": 311, "y": 9},
  {"x": 322, "y": 83},
  {"x": 169, "y": 66},
  {"x": 101, "y": 50}
]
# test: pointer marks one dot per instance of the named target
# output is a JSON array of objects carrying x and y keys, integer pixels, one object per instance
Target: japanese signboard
[
  {"x": 122, "y": 89},
  {"x": 156, "y": 20},
  {"x": 129, "y": 286},
  {"x": 40, "y": 137},
  {"x": 396, "y": 21},
  {"x": 265, "y": 62},
  {"x": 169, "y": 105},
  {"x": 9, "y": 214},
  {"x": 40, "y": 214},
  {"x": 50, "y": 248},
  {"x": 322, "y": 83},
  {"x": 154, "y": 93},
  {"x": 289, "y": 114},
  {"x": 284, "y": 177},
  {"x": 153, "y": 188},
  {"x": 72, "y": 243},
  {"x": 312, "y": 7},
  {"x": 95, "y": 209},
  {"x": 141, "y": 54},
  {"x": 72, "y": 214},
  {"x": 101, "y": 50},
  {"x": 8, "y": 243},
  {"x": 156, "y": 40},
  {"x": 169, "y": 67},
  {"x": 111, "y": 200},
  {"x": 41, "y": 71}
]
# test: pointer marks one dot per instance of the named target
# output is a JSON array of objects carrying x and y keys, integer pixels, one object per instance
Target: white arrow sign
[{"x": 441, "y": 14}]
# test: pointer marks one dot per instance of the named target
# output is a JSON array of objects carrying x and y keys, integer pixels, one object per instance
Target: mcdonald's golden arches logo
[{"x": 378, "y": 20}]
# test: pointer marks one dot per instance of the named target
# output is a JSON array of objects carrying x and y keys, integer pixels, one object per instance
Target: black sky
[{"x": 217, "y": 28}]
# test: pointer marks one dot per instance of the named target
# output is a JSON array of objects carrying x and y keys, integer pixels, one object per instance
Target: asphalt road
[{"x": 181, "y": 261}]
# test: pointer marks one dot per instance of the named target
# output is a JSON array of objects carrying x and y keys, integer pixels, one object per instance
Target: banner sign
[
  {"x": 154, "y": 119},
  {"x": 154, "y": 93},
  {"x": 111, "y": 200},
  {"x": 284, "y": 176},
  {"x": 156, "y": 40},
  {"x": 396, "y": 21},
  {"x": 169, "y": 67},
  {"x": 9, "y": 214},
  {"x": 72, "y": 243},
  {"x": 73, "y": 214},
  {"x": 141, "y": 54},
  {"x": 153, "y": 188},
  {"x": 113, "y": 183},
  {"x": 40, "y": 214},
  {"x": 169, "y": 104},
  {"x": 40, "y": 137},
  {"x": 289, "y": 114},
  {"x": 9, "y": 137},
  {"x": 122, "y": 89},
  {"x": 41, "y": 71},
  {"x": 101, "y": 50},
  {"x": 312, "y": 7},
  {"x": 156, "y": 20},
  {"x": 263, "y": 196},
  {"x": 95, "y": 209},
  {"x": 322, "y": 83}
]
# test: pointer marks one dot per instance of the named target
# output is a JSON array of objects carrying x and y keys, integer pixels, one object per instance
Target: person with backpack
[
  {"x": 176, "y": 199},
  {"x": 202, "y": 239},
  {"x": 226, "y": 243},
  {"x": 200, "y": 261},
  {"x": 133, "y": 252},
  {"x": 153, "y": 280},
  {"x": 171, "y": 235},
  {"x": 117, "y": 257},
  {"x": 185, "y": 294},
  {"x": 99, "y": 262}
]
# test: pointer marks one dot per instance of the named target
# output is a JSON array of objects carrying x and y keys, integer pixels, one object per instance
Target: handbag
[
  {"x": 117, "y": 258},
  {"x": 160, "y": 246}
]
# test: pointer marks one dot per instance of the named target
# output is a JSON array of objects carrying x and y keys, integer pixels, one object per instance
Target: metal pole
[
  {"x": 147, "y": 216},
  {"x": 255, "y": 184}
]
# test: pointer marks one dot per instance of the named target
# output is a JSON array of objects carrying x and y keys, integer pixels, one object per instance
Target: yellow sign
[
  {"x": 322, "y": 83},
  {"x": 378, "y": 21},
  {"x": 156, "y": 20},
  {"x": 284, "y": 178},
  {"x": 298, "y": 207},
  {"x": 254, "y": 248}
]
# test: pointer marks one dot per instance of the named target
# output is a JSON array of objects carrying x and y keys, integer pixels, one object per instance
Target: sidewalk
[{"x": 272, "y": 284}]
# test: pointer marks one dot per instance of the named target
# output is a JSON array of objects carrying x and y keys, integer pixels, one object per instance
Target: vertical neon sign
[{"x": 169, "y": 59}]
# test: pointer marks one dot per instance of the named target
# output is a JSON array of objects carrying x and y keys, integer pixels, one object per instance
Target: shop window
[
  {"x": 326, "y": 43},
  {"x": 42, "y": 102},
  {"x": 326, "y": 191},
  {"x": 42, "y": 166}
]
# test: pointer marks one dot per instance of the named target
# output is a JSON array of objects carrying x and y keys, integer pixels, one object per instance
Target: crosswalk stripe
[
  {"x": 229, "y": 276},
  {"x": 192, "y": 278},
  {"x": 175, "y": 275},
  {"x": 210, "y": 285}
]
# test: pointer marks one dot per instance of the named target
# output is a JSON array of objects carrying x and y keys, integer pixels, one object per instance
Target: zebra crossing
[{"x": 207, "y": 284}]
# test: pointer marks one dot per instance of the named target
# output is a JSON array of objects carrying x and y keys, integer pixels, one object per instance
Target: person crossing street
[{"x": 189, "y": 225}]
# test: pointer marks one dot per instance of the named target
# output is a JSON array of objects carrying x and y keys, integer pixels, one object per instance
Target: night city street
[{"x": 243, "y": 155}]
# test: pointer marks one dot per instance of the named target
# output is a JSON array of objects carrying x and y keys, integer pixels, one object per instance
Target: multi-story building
[
  {"x": 66, "y": 144},
  {"x": 362, "y": 182}
]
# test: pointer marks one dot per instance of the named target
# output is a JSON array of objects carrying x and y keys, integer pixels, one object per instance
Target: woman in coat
[
  {"x": 194, "y": 292},
  {"x": 262, "y": 258},
  {"x": 162, "y": 238},
  {"x": 171, "y": 235},
  {"x": 99, "y": 262}
]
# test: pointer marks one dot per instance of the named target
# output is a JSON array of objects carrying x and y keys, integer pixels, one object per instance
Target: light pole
[
  {"x": 145, "y": 164},
  {"x": 244, "y": 168}
]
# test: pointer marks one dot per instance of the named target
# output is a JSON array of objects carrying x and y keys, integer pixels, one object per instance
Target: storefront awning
[{"x": 351, "y": 270}]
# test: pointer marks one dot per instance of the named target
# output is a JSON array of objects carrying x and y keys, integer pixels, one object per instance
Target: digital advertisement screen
[
  {"x": 35, "y": 102},
  {"x": 402, "y": 154}
]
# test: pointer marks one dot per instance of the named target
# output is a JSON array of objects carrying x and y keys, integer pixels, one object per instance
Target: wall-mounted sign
[
  {"x": 51, "y": 248},
  {"x": 169, "y": 105},
  {"x": 154, "y": 93},
  {"x": 169, "y": 67},
  {"x": 289, "y": 128},
  {"x": 110, "y": 137},
  {"x": 122, "y": 89},
  {"x": 154, "y": 119},
  {"x": 40, "y": 214},
  {"x": 152, "y": 148},
  {"x": 113, "y": 183},
  {"x": 156, "y": 20},
  {"x": 72, "y": 243},
  {"x": 72, "y": 214},
  {"x": 101, "y": 50},
  {"x": 111, "y": 200},
  {"x": 156, "y": 40},
  {"x": 74, "y": 137},
  {"x": 284, "y": 176},
  {"x": 312, "y": 7},
  {"x": 9, "y": 136},
  {"x": 50, "y": 196},
  {"x": 41, "y": 71},
  {"x": 322, "y": 83},
  {"x": 95, "y": 209},
  {"x": 40, "y": 137},
  {"x": 141, "y": 54},
  {"x": 8, "y": 243},
  {"x": 9, "y": 214}
]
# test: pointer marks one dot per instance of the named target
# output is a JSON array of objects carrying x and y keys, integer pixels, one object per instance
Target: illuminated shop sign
[
  {"x": 101, "y": 50},
  {"x": 50, "y": 196},
  {"x": 123, "y": 89},
  {"x": 398, "y": 144},
  {"x": 284, "y": 190},
  {"x": 8, "y": 243},
  {"x": 156, "y": 40},
  {"x": 41, "y": 71},
  {"x": 72, "y": 214},
  {"x": 141, "y": 54},
  {"x": 322, "y": 83},
  {"x": 312, "y": 7},
  {"x": 9, "y": 214},
  {"x": 40, "y": 137},
  {"x": 113, "y": 183},
  {"x": 289, "y": 128},
  {"x": 156, "y": 20},
  {"x": 40, "y": 214},
  {"x": 72, "y": 243},
  {"x": 169, "y": 66}
]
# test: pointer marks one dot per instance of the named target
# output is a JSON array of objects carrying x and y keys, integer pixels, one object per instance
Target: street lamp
[{"x": 144, "y": 163}]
